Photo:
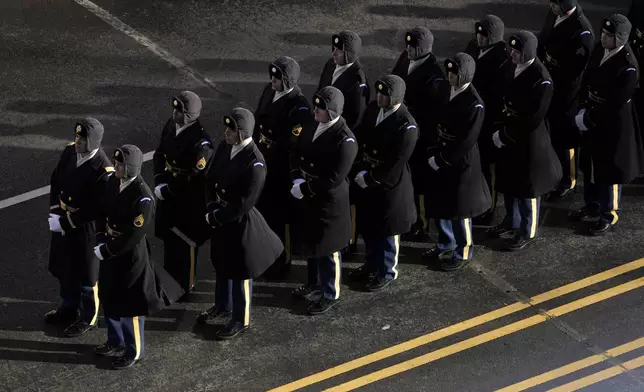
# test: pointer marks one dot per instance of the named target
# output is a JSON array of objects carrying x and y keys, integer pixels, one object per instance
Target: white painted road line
[{"x": 12, "y": 201}]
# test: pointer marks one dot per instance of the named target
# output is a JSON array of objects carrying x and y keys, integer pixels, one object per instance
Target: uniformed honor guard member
[
  {"x": 344, "y": 72},
  {"x": 636, "y": 17},
  {"x": 528, "y": 167},
  {"x": 565, "y": 44},
  {"x": 418, "y": 67},
  {"x": 611, "y": 150},
  {"x": 180, "y": 162},
  {"x": 76, "y": 186},
  {"x": 492, "y": 62},
  {"x": 280, "y": 115},
  {"x": 320, "y": 164},
  {"x": 243, "y": 245},
  {"x": 385, "y": 202},
  {"x": 131, "y": 286},
  {"x": 456, "y": 189}
]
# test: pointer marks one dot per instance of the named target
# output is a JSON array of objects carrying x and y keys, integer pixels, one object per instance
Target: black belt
[
  {"x": 220, "y": 201},
  {"x": 510, "y": 112},
  {"x": 111, "y": 231},
  {"x": 595, "y": 98},
  {"x": 67, "y": 208},
  {"x": 443, "y": 134}
]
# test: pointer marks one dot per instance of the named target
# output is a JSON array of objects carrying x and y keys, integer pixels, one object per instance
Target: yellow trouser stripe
[
  {"x": 192, "y": 267},
  {"x": 287, "y": 242},
  {"x": 137, "y": 336},
  {"x": 397, "y": 250},
  {"x": 96, "y": 305},
  {"x": 613, "y": 212},
  {"x": 468, "y": 239},
  {"x": 533, "y": 227},
  {"x": 421, "y": 204},
  {"x": 336, "y": 282},
  {"x": 573, "y": 169},
  {"x": 353, "y": 238},
  {"x": 246, "y": 302}
]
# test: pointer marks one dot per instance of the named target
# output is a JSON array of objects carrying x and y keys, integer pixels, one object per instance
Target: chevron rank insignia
[
  {"x": 138, "y": 221},
  {"x": 297, "y": 130},
  {"x": 201, "y": 164}
]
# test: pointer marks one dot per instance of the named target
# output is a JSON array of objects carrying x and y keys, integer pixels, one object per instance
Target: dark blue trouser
[
  {"x": 522, "y": 215},
  {"x": 234, "y": 295},
  {"x": 605, "y": 200},
  {"x": 128, "y": 332},
  {"x": 84, "y": 298},
  {"x": 382, "y": 254},
  {"x": 325, "y": 271},
  {"x": 455, "y": 235},
  {"x": 569, "y": 159}
]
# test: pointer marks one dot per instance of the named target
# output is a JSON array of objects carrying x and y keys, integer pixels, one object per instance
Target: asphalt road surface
[{"x": 565, "y": 314}]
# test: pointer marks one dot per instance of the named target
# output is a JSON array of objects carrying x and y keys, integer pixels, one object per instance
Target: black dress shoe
[
  {"x": 211, "y": 313},
  {"x": 306, "y": 291},
  {"x": 78, "y": 328},
  {"x": 124, "y": 363},
  {"x": 434, "y": 254},
  {"x": 277, "y": 271},
  {"x": 517, "y": 243},
  {"x": 559, "y": 194},
  {"x": 232, "y": 329},
  {"x": 107, "y": 349},
  {"x": 361, "y": 274},
  {"x": 378, "y": 283},
  {"x": 61, "y": 316},
  {"x": 453, "y": 264},
  {"x": 501, "y": 231},
  {"x": 483, "y": 220},
  {"x": 601, "y": 227},
  {"x": 322, "y": 306},
  {"x": 582, "y": 214}
]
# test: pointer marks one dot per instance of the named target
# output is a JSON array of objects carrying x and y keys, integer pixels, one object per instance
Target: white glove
[
  {"x": 359, "y": 179},
  {"x": 296, "y": 191},
  {"x": 157, "y": 191},
  {"x": 208, "y": 218},
  {"x": 496, "y": 138},
  {"x": 298, "y": 181},
  {"x": 579, "y": 120},
  {"x": 98, "y": 252},
  {"x": 432, "y": 163},
  {"x": 54, "y": 223}
]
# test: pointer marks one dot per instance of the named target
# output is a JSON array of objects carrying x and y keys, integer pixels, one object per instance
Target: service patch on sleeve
[
  {"x": 138, "y": 221},
  {"x": 297, "y": 130},
  {"x": 201, "y": 164}
]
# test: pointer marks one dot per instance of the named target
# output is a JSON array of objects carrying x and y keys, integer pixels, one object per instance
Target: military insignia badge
[
  {"x": 450, "y": 65},
  {"x": 480, "y": 28},
  {"x": 380, "y": 86},
  {"x": 408, "y": 37},
  {"x": 117, "y": 153},
  {"x": 274, "y": 70},
  {"x": 227, "y": 121},
  {"x": 317, "y": 101},
  {"x": 78, "y": 128},
  {"x": 297, "y": 130},
  {"x": 608, "y": 23},
  {"x": 138, "y": 221},
  {"x": 337, "y": 41},
  {"x": 201, "y": 164},
  {"x": 514, "y": 42},
  {"x": 175, "y": 103}
]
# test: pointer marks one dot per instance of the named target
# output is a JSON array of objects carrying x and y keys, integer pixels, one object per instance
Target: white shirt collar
[
  {"x": 339, "y": 70},
  {"x": 323, "y": 127},
  {"x": 125, "y": 184},
  {"x": 610, "y": 53},
  {"x": 181, "y": 128},
  {"x": 238, "y": 147},
  {"x": 413, "y": 64},
  {"x": 82, "y": 159},
  {"x": 522, "y": 67},
  {"x": 564, "y": 17},
  {"x": 280, "y": 94},
  {"x": 455, "y": 92},
  {"x": 382, "y": 115}
]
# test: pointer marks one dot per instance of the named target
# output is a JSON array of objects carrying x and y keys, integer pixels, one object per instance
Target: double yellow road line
[{"x": 468, "y": 324}]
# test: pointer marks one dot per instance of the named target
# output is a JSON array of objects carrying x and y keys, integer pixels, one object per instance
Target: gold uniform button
[
  {"x": 174, "y": 162},
  {"x": 375, "y": 151},
  {"x": 301, "y": 158},
  {"x": 69, "y": 198},
  {"x": 223, "y": 191},
  {"x": 216, "y": 185},
  {"x": 261, "y": 127},
  {"x": 270, "y": 131},
  {"x": 174, "y": 174},
  {"x": 373, "y": 166}
]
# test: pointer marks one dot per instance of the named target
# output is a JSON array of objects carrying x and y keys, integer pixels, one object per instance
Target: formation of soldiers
[{"x": 438, "y": 141}]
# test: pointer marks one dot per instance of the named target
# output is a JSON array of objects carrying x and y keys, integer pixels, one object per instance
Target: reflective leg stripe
[
  {"x": 96, "y": 305},
  {"x": 468, "y": 239},
  {"x": 287, "y": 242},
  {"x": 397, "y": 250},
  {"x": 137, "y": 336},
  {"x": 192, "y": 267},
  {"x": 573, "y": 168},
  {"x": 353, "y": 238},
  {"x": 246, "y": 289},
  {"x": 533, "y": 211},
  {"x": 336, "y": 282},
  {"x": 615, "y": 206},
  {"x": 421, "y": 204}
]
